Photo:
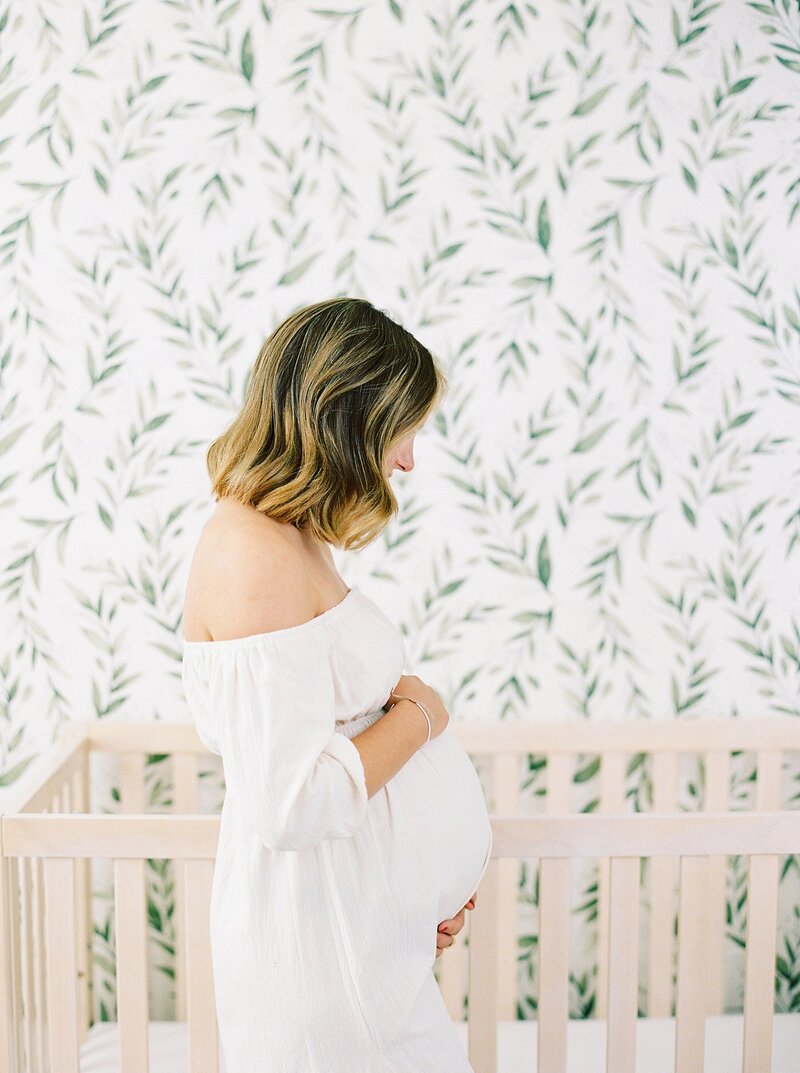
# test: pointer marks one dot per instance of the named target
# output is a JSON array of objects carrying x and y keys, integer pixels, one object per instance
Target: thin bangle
[{"x": 424, "y": 711}]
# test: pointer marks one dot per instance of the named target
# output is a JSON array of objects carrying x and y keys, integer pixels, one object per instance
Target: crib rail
[
  {"x": 554, "y": 840},
  {"x": 695, "y": 840},
  {"x": 59, "y": 782},
  {"x": 31, "y": 927},
  {"x": 617, "y": 745},
  {"x": 48, "y": 838}
]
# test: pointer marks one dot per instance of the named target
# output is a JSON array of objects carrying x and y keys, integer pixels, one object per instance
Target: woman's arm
[{"x": 390, "y": 742}]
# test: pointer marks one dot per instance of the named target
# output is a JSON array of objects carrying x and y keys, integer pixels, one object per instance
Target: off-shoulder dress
[{"x": 324, "y": 904}]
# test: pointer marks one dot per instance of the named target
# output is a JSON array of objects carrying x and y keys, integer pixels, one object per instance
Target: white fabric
[
  {"x": 516, "y": 1045},
  {"x": 325, "y": 904}
]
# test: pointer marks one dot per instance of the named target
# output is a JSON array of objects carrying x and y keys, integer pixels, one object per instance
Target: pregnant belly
[
  {"x": 415, "y": 861},
  {"x": 448, "y": 821}
]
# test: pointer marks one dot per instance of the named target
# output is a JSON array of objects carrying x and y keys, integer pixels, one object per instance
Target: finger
[
  {"x": 455, "y": 928},
  {"x": 454, "y": 925},
  {"x": 442, "y": 941}
]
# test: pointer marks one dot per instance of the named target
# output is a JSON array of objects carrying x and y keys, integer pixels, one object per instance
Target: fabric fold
[{"x": 272, "y": 708}]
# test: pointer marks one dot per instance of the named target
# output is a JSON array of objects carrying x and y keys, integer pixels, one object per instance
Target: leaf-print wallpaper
[{"x": 589, "y": 211}]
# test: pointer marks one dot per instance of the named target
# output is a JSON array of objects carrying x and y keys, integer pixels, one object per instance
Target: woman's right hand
[{"x": 409, "y": 685}]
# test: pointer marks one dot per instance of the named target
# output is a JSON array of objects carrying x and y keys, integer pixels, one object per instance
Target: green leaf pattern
[{"x": 588, "y": 211}]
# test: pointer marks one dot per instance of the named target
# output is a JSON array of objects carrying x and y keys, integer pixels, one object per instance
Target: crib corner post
[{"x": 8, "y": 1052}]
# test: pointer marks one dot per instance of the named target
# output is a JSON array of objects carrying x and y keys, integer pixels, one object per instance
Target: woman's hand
[
  {"x": 448, "y": 929},
  {"x": 411, "y": 685}
]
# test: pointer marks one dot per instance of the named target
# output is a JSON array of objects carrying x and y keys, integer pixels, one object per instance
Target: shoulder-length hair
[{"x": 335, "y": 386}]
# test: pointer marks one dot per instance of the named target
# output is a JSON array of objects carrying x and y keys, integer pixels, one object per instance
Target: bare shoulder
[{"x": 246, "y": 577}]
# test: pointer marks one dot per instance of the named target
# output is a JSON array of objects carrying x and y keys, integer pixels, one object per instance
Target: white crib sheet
[
  {"x": 655, "y": 1040},
  {"x": 655, "y": 1045}
]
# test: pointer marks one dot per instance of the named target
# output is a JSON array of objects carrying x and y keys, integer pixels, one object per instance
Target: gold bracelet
[{"x": 422, "y": 708}]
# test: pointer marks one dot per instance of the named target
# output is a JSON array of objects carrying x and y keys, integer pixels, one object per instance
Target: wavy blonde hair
[{"x": 335, "y": 386}]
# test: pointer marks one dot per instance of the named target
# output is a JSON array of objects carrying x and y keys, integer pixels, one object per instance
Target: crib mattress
[{"x": 516, "y": 1045}]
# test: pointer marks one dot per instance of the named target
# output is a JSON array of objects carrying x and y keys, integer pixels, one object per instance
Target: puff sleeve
[{"x": 270, "y": 700}]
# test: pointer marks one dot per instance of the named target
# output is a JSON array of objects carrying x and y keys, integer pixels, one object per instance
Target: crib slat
[
  {"x": 184, "y": 801},
  {"x": 200, "y": 1002},
  {"x": 690, "y": 1010},
  {"x": 559, "y": 782},
  {"x": 83, "y": 893},
  {"x": 612, "y": 800},
  {"x": 8, "y": 1048},
  {"x": 506, "y": 771},
  {"x": 623, "y": 964},
  {"x": 483, "y": 1010},
  {"x": 130, "y": 909},
  {"x": 554, "y": 900},
  {"x": 553, "y": 1003},
  {"x": 88, "y": 896},
  {"x": 131, "y": 783},
  {"x": 27, "y": 974},
  {"x": 61, "y": 964},
  {"x": 759, "y": 973},
  {"x": 661, "y": 872},
  {"x": 184, "y": 783},
  {"x": 762, "y": 911},
  {"x": 716, "y": 799},
  {"x": 40, "y": 962},
  {"x": 16, "y": 948},
  {"x": 769, "y": 764},
  {"x": 131, "y": 921}
]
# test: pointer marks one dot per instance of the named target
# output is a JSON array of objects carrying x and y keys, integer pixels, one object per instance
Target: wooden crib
[{"x": 49, "y": 838}]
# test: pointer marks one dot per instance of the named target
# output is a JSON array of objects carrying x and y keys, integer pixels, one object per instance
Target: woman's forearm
[{"x": 390, "y": 742}]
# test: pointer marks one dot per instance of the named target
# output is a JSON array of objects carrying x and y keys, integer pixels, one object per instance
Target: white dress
[{"x": 325, "y": 904}]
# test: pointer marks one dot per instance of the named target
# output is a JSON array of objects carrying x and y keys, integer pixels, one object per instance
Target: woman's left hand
[{"x": 448, "y": 929}]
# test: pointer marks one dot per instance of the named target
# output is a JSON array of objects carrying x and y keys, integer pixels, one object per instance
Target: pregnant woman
[{"x": 354, "y": 829}]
